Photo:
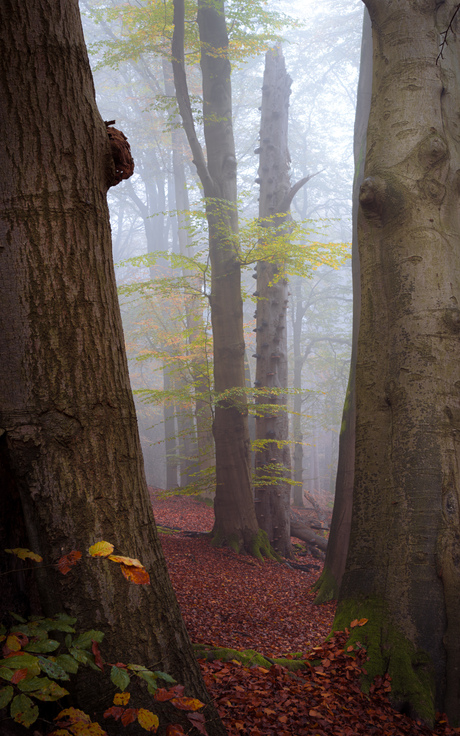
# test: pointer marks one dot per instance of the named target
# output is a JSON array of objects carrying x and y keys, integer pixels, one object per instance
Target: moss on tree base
[
  {"x": 257, "y": 545},
  {"x": 389, "y": 651},
  {"x": 325, "y": 587}
]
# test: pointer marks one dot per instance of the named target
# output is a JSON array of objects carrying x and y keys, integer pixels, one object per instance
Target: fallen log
[{"x": 306, "y": 534}]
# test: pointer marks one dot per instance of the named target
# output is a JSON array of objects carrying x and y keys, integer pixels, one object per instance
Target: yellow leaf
[
  {"x": 362, "y": 621},
  {"x": 101, "y": 549},
  {"x": 121, "y": 698},
  {"x": 148, "y": 720},
  {"x": 23, "y": 553},
  {"x": 73, "y": 715},
  {"x": 126, "y": 560},
  {"x": 88, "y": 729},
  {"x": 13, "y": 643}
]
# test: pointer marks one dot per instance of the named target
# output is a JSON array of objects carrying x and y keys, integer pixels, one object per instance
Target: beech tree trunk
[
  {"x": 70, "y": 457},
  {"x": 403, "y": 565},
  {"x": 235, "y": 518},
  {"x": 273, "y": 458},
  {"x": 328, "y": 585}
]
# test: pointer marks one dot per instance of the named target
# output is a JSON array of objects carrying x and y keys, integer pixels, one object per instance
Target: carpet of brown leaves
[{"x": 233, "y": 601}]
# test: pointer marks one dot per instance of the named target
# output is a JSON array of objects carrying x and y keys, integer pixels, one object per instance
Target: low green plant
[{"x": 34, "y": 665}]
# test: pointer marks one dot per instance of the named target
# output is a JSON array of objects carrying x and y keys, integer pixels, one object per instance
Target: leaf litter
[{"x": 233, "y": 601}]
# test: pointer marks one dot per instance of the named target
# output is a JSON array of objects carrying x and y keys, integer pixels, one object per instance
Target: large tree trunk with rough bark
[
  {"x": 70, "y": 458},
  {"x": 328, "y": 585},
  {"x": 235, "y": 518},
  {"x": 403, "y": 566}
]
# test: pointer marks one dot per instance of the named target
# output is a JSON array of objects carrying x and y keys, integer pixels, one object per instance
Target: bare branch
[
  {"x": 183, "y": 98},
  {"x": 444, "y": 34}
]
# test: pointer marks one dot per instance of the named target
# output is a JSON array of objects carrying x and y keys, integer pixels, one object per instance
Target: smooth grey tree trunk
[{"x": 403, "y": 566}]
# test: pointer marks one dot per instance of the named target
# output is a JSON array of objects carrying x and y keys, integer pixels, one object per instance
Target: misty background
[{"x": 147, "y": 213}]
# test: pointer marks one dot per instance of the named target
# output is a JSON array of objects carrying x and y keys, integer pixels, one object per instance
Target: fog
[{"x": 154, "y": 217}]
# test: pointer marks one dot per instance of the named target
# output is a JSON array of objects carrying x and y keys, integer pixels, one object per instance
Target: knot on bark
[
  {"x": 121, "y": 154},
  {"x": 433, "y": 149},
  {"x": 372, "y": 195},
  {"x": 432, "y": 189}
]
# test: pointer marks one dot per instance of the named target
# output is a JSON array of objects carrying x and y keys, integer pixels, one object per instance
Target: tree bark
[
  {"x": 235, "y": 519},
  {"x": 273, "y": 458},
  {"x": 328, "y": 585},
  {"x": 69, "y": 444},
  {"x": 403, "y": 566}
]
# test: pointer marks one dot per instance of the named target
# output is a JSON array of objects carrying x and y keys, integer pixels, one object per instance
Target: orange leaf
[
  {"x": 362, "y": 621},
  {"x": 116, "y": 711},
  {"x": 187, "y": 703},
  {"x": 97, "y": 655},
  {"x": 354, "y": 623},
  {"x": 174, "y": 729},
  {"x": 23, "y": 553},
  {"x": 101, "y": 549},
  {"x": 148, "y": 720},
  {"x": 131, "y": 561},
  {"x": 136, "y": 575},
  {"x": 121, "y": 698},
  {"x": 19, "y": 675},
  {"x": 129, "y": 716},
  {"x": 67, "y": 561},
  {"x": 162, "y": 695}
]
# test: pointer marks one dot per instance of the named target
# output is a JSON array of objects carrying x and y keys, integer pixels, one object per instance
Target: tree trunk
[
  {"x": 403, "y": 565},
  {"x": 297, "y": 317},
  {"x": 170, "y": 434},
  {"x": 69, "y": 444},
  {"x": 328, "y": 585},
  {"x": 235, "y": 518},
  {"x": 272, "y": 459}
]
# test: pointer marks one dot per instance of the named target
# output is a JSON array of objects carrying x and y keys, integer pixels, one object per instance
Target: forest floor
[{"x": 233, "y": 601}]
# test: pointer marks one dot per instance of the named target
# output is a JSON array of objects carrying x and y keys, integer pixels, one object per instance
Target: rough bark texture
[
  {"x": 328, "y": 584},
  {"x": 69, "y": 447},
  {"x": 235, "y": 519},
  {"x": 272, "y": 459},
  {"x": 403, "y": 566}
]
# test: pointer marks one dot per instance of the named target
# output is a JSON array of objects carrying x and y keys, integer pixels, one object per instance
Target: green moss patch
[
  {"x": 247, "y": 657},
  {"x": 389, "y": 651}
]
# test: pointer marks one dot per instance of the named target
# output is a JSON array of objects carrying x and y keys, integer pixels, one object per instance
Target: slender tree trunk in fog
[
  {"x": 298, "y": 313},
  {"x": 70, "y": 458},
  {"x": 235, "y": 518},
  {"x": 328, "y": 585},
  {"x": 273, "y": 461},
  {"x": 403, "y": 566},
  {"x": 170, "y": 434}
]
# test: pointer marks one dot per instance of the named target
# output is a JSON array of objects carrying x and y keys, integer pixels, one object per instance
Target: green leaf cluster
[{"x": 37, "y": 664}]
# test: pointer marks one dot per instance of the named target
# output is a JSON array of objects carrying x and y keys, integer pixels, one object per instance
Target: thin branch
[
  {"x": 183, "y": 97},
  {"x": 286, "y": 203},
  {"x": 444, "y": 34}
]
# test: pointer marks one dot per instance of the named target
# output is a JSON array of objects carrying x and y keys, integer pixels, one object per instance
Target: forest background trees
[{"x": 319, "y": 315}]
